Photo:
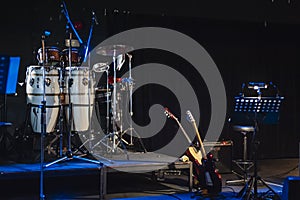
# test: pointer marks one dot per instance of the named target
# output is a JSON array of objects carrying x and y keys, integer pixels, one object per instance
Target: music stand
[
  {"x": 9, "y": 69},
  {"x": 263, "y": 110}
]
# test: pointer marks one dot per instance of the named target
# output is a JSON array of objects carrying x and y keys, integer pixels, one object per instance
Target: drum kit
[
  {"x": 69, "y": 91},
  {"x": 61, "y": 90}
]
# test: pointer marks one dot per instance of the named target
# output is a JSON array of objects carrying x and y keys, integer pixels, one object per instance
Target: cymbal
[{"x": 113, "y": 50}]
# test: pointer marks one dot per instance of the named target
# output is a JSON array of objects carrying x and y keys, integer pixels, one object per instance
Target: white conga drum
[
  {"x": 81, "y": 95},
  {"x": 35, "y": 94}
]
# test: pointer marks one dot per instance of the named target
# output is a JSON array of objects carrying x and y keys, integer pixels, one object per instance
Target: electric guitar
[{"x": 208, "y": 176}]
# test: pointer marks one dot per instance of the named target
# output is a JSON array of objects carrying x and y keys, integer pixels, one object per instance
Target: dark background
[{"x": 248, "y": 41}]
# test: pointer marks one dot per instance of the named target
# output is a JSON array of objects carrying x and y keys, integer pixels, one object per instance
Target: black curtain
[{"x": 243, "y": 51}]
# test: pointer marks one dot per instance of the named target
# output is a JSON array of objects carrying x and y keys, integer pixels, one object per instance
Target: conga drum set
[
  {"x": 67, "y": 90},
  {"x": 70, "y": 92}
]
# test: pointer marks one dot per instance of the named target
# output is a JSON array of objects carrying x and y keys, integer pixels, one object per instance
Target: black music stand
[
  {"x": 256, "y": 110},
  {"x": 9, "y": 69}
]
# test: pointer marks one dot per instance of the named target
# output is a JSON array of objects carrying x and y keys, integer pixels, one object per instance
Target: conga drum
[
  {"x": 35, "y": 95},
  {"x": 52, "y": 56},
  {"x": 80, "y": 96},
  {"x": 75, "y": 57}
]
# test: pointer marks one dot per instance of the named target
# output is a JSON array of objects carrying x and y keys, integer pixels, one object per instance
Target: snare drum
[
  {"x": 35, "y": 95},
  {"x": 52, "y": 56},
  {"x": 81, "y": 95},
  {"x": 75, "y": 58}
]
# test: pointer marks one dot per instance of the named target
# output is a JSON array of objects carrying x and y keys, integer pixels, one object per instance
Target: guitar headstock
[
  {"x": 189, "y": 116},
  {"x": 169, "y": 114}
]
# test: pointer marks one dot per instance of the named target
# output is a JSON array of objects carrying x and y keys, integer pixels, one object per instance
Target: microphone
[
  {"x": 47, "y": 33},
  {"x": 95, "y": 17}
]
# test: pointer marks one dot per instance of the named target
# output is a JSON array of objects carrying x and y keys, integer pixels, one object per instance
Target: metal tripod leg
[{"x": 246, "y": 191}]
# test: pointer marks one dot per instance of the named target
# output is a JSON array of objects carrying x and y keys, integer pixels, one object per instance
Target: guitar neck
[
  {"x": 184, "y": 132},
  {"x": 199, "y": 140}
]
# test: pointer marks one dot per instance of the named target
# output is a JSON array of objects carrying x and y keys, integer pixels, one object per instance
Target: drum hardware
[
  {"x": 101, "y": 67},
  {"x": 49, "y": 147},
  {"x": 118, "y": 53},
  {"x": 43, "y": 118},
  {"x": 130, "y": 82},
  {"x": 104, "y": 67}
]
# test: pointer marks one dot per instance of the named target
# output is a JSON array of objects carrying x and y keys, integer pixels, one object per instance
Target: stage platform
[
  {"x": 131, "y": 162},
  {"x": 136, "y": 178}
]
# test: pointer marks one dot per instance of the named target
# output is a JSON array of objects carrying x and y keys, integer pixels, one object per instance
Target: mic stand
[
  {"x": 69, "y": 155},
  {"x": 89, "y": 83},
  {"x": 43, "y": 123},
  {"x": 65, "y": 11},
  {"x": 89, "y": 38}
]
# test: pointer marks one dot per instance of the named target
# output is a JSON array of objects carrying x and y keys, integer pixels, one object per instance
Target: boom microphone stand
[
  {"x": 69, "y": 154},
  {"x": 69, "y": 43}
]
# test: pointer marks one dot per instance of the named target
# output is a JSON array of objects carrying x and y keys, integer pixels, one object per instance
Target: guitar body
[
  {"x": 206, "y": 176},
  {"x": 194, "y": 155}
]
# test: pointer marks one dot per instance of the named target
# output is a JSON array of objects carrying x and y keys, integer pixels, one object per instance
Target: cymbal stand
[
  {"x": 130, "y": 83},
  {"x": 107, "y": 101},
  {"x": 116, "y": 138},
  {"x": 114, "y": 103},
  {"x": 130, "y": 98}
]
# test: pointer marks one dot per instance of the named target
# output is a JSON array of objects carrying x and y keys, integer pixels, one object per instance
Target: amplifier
[{"x": 222, "y": 152}]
